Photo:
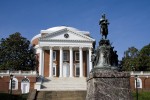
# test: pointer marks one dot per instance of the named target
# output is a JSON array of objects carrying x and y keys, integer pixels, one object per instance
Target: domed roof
[{"x": 54, "y": 29}]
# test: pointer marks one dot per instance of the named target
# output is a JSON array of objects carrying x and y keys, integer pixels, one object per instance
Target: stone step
[
  {"x": 64, "y": 84},
  {"x": 63, "y": 89},
  {"x": 64, "y": 79},
  {"x": 61, "y": 95}
]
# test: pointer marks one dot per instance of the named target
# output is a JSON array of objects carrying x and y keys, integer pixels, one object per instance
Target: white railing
[
  {"x": 140, "y": 73},
  {"x": 7, "y": 72}
]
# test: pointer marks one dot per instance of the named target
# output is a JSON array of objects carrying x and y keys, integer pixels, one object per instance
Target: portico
[
  {"x": 70, "y": 63},
  {"x": 64, "y": 52}
]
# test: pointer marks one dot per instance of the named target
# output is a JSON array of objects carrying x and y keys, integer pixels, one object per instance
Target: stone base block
[{"x": 108, "y": 85}]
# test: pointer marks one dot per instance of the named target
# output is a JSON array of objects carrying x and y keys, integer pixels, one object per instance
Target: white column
[
  {"x": 81, "y": 62},
  {"x": 41, "y": 59},
  {"x": 71, "y": 62},
  {"x": 51, "y": 62},
  {"x": 61, "y": 62},
  {"x": 90, "y": 62}
]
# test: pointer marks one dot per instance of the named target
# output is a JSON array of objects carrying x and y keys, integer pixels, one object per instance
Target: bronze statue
[
  {"x": 104, "y": 26},
  {"x": 104, "y": 57}
]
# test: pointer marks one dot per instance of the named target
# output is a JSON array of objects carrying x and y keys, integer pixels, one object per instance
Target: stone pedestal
[{"x": 108, "y": 85}]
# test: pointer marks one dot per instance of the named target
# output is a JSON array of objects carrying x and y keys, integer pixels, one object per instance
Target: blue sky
[{"x": 129, "y": 19}]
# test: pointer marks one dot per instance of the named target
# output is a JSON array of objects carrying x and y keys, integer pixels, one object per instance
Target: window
[
  {"x": 54, "y": 73},
  {"x": 54, "y": 69},
  {"x": 77, "y": 70},
  {"x": 65, "y": 56},
  {"x": 25, "y": 85},
  {"x": 54, "y": 55},
  {"x": 14, "y": 84},
  {"x": 76, "y": 56},
  {"x": 139, "y": 83}
]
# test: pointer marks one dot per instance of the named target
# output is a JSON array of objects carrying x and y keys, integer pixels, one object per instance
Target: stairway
[{"x": 64, "y": 84}]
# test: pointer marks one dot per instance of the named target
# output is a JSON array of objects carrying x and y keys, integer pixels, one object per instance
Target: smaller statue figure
[
  {"x": 93, "y": 59},
  {"x": 116, "y": 58},
  {"x": 104, "y": 26}
]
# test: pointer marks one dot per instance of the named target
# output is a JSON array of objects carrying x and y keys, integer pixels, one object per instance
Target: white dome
[{"x": 54, "y": 29}]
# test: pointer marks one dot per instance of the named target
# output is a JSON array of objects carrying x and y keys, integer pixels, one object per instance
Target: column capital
[
  {"x": 60, "y": 47},
  {"x": 70, "y": 47},
  {"x": 90, "y": 48},
  {"x": 40, "y": 47},
  {"x": 81, "y": 47},
  {"x": 51, "y": 47}
]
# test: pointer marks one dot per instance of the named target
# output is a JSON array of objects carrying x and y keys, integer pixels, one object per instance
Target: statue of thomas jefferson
[{"x": 104, "y": 26}]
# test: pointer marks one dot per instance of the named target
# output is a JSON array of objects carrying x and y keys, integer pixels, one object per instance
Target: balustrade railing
[
  {"x": 7, "y": 72},
  {"x": 140, "y": 73}
]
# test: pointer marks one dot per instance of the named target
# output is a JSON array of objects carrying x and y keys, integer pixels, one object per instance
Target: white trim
[
  {"x": 65, "y": 43},
  {"x": 56, "y": 30},
  {"x": 76, "y": 56},
  {"x": 51, "y": 62},
  {"x": 139, "y": 81},
  {"x": 90, "y": 62},
  {"x": 71, "y": 61},
  {"x": 41, "y": 60},
  {"x": 60, "y": 62},
  {"x": 16, "y": 84},
  {"x": 81, "y": 61}
]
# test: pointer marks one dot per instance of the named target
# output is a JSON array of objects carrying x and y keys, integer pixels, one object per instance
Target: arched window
[
  {"x": 139, "y": 83},
  {"x": 25, "y": 80},
  {"x": 25, "y": 85},
  {"x": 14, "y": 84}
]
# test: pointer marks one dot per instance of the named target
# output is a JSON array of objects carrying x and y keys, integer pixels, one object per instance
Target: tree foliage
[
  {"x": 130, "y": 59},
  {"x": 144, "y": 58},
  {"x": 16, "y": 53},
  {"x": 135, "y": 59}
]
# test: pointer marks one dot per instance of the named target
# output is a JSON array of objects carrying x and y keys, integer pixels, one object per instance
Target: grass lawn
[
  {"x": 6, "y": 96},
  {"x": 142, "y": 95}
]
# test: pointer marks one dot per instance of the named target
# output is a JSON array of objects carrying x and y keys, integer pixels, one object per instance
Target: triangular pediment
[{"x": 66, "y": 35}]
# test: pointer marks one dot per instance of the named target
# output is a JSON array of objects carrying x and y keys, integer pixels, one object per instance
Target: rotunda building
[{"x": 63, "y": 52}]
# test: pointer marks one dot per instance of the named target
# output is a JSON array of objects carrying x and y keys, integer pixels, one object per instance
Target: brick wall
[
  {"x": 145, "y": 83},
  {"x": 4, "y": 83}
]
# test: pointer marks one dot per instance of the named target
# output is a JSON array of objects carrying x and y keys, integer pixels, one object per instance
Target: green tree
[
  {"x": 16, "y": 53},
  {"x": 130, "y": 59},
  {"x": 144, "y": 58}
]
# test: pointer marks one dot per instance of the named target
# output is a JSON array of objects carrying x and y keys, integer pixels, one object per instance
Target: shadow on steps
[{"x": 61, "y": 95}]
